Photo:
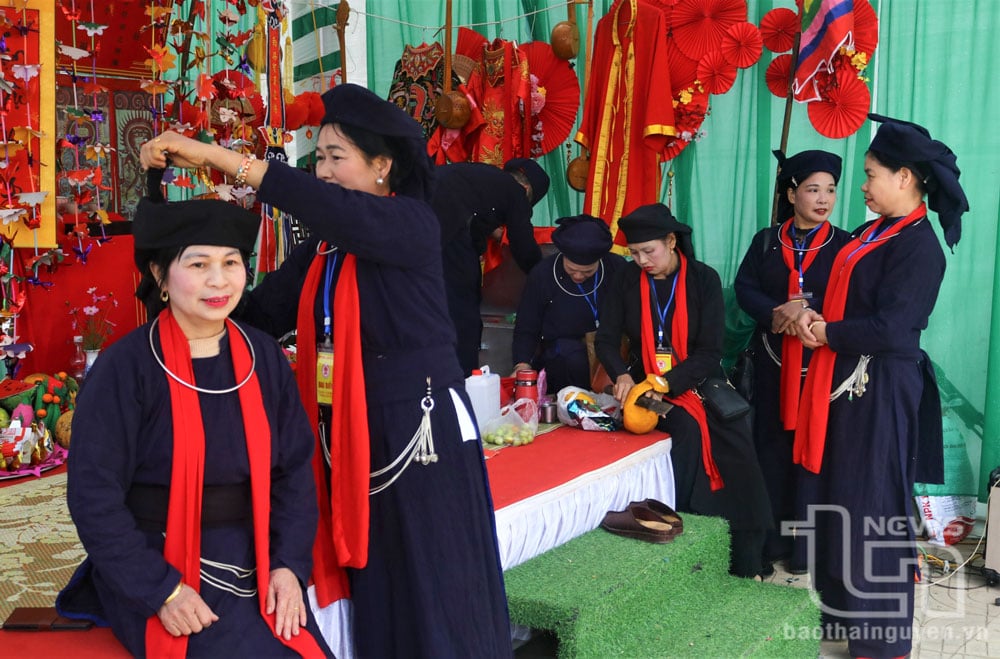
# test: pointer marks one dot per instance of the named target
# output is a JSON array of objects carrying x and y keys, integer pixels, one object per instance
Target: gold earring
[{"x": 164, "y": 296}]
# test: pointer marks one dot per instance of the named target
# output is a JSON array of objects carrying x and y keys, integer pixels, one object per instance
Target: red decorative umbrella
[
  {"x": 683, "y": 69},
  {"x": 779, "y": 75},
  {"x": 716, "y": 73},
  {"x": 865, "y": 27},
  {"x": 778, "y": 29},
  {"x": 844, "y": 105},
  {"x": 561, "y": 92},
  {"x": 688, "y": 118},
  {"x": 741, "y": 45},
  {"x": 700, "y": 25}
]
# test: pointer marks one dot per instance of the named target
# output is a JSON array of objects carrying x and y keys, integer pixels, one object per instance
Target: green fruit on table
[{"x": 4, "y": 418}]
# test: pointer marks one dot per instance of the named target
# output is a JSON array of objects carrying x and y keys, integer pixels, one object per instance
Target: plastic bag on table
[
  {"x": 584, "y": 409},
  {"x": 515, "y": 426}
]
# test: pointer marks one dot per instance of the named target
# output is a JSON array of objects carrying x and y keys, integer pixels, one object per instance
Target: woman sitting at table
[
  {"x": 190, "y": 478},
  {"x": 670, "y": 307},
  {"x": 559, "y": 305}
]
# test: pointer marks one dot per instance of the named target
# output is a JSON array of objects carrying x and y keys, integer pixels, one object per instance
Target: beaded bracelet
[
  {"x": 177, "y": 591},
  {"x": 241, "y": 173}
]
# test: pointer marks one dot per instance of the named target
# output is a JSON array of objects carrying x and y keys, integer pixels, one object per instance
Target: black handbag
[{"x": 722, "y": 400}]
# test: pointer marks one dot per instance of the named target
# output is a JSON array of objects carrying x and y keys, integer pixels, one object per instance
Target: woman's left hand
[
  {"x": 284, "y": 596},
  {"x": 171, "y": 148}
]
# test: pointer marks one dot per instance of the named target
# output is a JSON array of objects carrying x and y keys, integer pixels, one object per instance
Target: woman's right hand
[
  {"x": 623, "y": 385},
  {"x": 179, "y": 150},
  {"x": 186, "y": 614},
  {"x": 520, "y": 366}
]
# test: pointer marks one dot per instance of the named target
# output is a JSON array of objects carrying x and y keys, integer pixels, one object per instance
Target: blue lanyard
[
  {"x": 331, "y": 266},
  {"x": 800, "y": 254},
  {"x": 662, "y": 313},
  {"x": 872, "y": 237},
  {"x": 591, "y": 304}
]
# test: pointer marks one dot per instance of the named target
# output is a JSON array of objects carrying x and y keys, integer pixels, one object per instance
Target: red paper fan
[
  {"x": 717, "y": 74},
  {"x": 699, "y": 25},
  {"x": 779, "y": 75},
  {"x": 742, "y": 45},
  {"x": 844, "y": 106},
  {"x": 865, "y": 27},
  {"x": 562, "y": 92},
  {"x": 468, "y": 52},
  {"x": 688, "y": 118},
  {"x": 778, "y": 29},
  {"x": 683, "y": 69}
]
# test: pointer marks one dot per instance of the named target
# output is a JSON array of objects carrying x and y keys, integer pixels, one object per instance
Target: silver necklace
[
  {"x": 804, "y": 249},
  {"x": 253, "y": 364},
  {"x": 327, "y": 251},
  {"x": 597, "y": 280}
]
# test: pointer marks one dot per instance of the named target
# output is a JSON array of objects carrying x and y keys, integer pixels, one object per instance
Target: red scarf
[
  {"x": 679, "y": 340},
  {"x": 814, "y": 408},
  {"x": 182, "y": 546},
  {"x": 342, "y": 535},
  {"x": 791, "y": 347}
]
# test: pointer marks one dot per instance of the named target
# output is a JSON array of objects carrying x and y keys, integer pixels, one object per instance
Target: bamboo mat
[{"x": 39, "y": 548}]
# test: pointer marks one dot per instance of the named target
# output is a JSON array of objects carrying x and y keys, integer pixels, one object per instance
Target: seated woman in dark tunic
[
  {"x": 670, "y": 307},
  {"x": 869, "y": 423},
  {"x": 783, "y": 273},
  {"x": 190, "y": 481},
  {"x": 405, "y": 515},
  {"x": 559, "y": 305}
]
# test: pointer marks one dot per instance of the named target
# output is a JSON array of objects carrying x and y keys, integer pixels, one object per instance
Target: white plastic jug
[{"x": 483, "y": 388}]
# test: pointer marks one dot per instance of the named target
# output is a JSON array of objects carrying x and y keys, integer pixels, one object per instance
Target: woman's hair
[
  {"x": 924, "y": 182},
  {"x": 411, "y": 172},
  {"x": 148, "y": 290}
]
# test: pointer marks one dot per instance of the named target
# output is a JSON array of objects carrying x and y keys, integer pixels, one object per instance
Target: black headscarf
[
  {"x": 583, "y": 239},
  {"x": 655, "y": 221},
  {"x": 909, "y": 143},
  {"x": 798, "y": 168}
]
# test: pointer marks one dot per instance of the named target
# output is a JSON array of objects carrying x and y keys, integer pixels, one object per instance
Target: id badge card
[
  {"x": 664, "y": 359},
  {"x": 324, "y": 374},
  {"x": 803, "y": 295}
]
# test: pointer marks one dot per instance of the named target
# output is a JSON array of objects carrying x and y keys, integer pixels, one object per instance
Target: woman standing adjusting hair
[
  {"x": 784, "y": 273},
  {"x": 559, "y": 305},
  {"x": 190, "y": 480},
  {"x": 870, "y": 419},
  {"x": 405, "y": 507},
  {"x": 670, "y": 307}
]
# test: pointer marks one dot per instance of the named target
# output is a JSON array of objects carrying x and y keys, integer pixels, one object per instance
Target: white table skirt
[{"x": 539, "y": 523}]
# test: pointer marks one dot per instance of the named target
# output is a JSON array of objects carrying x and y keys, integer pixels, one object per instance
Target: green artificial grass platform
[{"x": 604, "y": 595}]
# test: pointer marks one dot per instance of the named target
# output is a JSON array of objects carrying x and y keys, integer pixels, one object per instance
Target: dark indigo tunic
[
  {"x": 123, "y": 435},
  {"x": 743, "y": 501},
  {"x": 471, "y": 200},
  {"x": 551, "y": 323},
  {"x": 880, "y": 443},
  {"x": 433, "y": 585},
  {"x": 761, "y": 285}
]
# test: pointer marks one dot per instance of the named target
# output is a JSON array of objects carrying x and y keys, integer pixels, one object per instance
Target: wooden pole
[{"x": 789, "y": 99}]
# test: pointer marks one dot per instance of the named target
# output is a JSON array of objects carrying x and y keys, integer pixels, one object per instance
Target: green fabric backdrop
[{"x": 933, "y": 66}]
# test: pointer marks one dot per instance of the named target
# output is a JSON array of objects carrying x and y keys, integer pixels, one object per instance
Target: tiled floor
[{"x": 957, "y": 614}]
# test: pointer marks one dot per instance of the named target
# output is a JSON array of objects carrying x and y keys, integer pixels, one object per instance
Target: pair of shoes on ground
[{"x": 649, "y": 520}]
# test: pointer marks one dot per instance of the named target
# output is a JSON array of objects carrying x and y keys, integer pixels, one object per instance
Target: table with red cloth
[{"x": 561, "y": 485}]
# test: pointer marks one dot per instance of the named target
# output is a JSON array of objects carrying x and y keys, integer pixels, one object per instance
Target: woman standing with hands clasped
[
  {"x": 784, "y": 273},
  {"x": 869, "y": 422},
  {"x": 404, "y": 503},
  {"x": 670, "y": 307},
  {"x": 190, "y": 481}
]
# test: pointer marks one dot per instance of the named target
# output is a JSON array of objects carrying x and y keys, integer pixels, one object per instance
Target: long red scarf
[
  {"x": 679, "y": 341},
  {"x": 814, "y": 408},
  {"x": 342, "y": 535},
  {"x": 182, "y": 546},
  {"x": 791, "y": 347}
]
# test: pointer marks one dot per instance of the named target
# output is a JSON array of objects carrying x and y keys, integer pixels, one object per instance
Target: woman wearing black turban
[{"x": 869, "y": 423}]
